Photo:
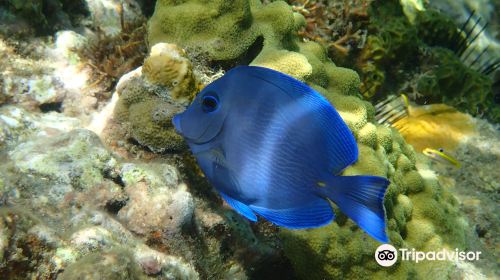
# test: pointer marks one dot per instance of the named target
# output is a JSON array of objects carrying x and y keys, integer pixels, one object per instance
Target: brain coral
[
  {"x": 150, "y": 96},
  {"x": 420, "y": 213},
  {"x": 167, "y": 65}
]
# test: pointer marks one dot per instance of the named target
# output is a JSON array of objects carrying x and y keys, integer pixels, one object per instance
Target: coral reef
[
  {"x": 421, "y": 214},
  {"x": 337, "y": 25},
  {"x": 19, "y": 125},
  {"x": 59, "y": 190},
  {"x": 168, "y": 66},
  {"x": 446, "y": 79},
  {"x": 22, "y": 18},
  {"x": 437, "y": 60},
  {"x": 222, "y": 29},
  {"x": 69, "y": 207},
  {"x": 476, "y": 186},
  {"x": 435, "y": 126},
  {"x": 155, "y": 205},
  {"x": 45, "y": 75},
  {"x": 130, "y": 203},
  {"x": 151, "y": 95}
]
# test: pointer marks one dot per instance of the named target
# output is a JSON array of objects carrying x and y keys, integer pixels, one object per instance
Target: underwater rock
[
  {"x": 109, "y": 15},
  {"x": 39, "y": 16},
  {"x": 155, "y": 203},
  {"x": 155, "y": 263},
  {"x": 18, "y": 125},
  {"x": 64, "y": 195},
  {"x": 62, "y": 170},
  {"x": 27, "y": 81},
  {"x": 113, "y": 264},
  {"x": 47, "y": 76}
]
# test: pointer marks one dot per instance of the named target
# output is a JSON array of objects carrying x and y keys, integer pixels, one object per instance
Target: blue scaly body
[{"x": 273, "y": 146}]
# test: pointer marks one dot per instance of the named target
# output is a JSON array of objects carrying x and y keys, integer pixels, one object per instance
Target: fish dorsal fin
[
  {"x": 293, "y": 87},
  {"x": 344, "y": 151},
  {"x": 240, "y": 207},
  {"x": 315, "y": 214}
]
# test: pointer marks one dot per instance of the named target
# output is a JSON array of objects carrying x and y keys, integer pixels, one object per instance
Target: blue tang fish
[{"x": 273, "y": 146}]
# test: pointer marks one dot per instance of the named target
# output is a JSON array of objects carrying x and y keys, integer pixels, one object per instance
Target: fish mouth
[
  {"x": 176, "y": 121},
  {"x": 199, "y": 140}
]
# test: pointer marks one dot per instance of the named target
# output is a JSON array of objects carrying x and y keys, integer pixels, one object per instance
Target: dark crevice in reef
[
  {"x": 51, "y": 107},
  {"x": 114, "y": 206},
  {"x": 272, "y": 268},
  {"x": 147, "y": 7},
  {"x": 136, "y": 143},
  {"x": 117, "y": 179},
  {"x": 252, "y": 52}
]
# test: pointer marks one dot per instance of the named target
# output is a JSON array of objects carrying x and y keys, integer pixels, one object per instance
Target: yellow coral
[
  {"x": 291, "y": 63},
  {"x": 168, "y": 66},
  {"x": 435, "y": 126}
]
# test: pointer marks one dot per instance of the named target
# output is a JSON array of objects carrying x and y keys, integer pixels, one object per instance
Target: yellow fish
[{"x": 440, "y": 156}]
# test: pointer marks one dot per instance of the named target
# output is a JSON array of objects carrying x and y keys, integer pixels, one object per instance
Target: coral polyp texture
[
  {"x": 95, "y": 183},
  {"x": 420, "y": 213},
  {"x": 436, "y": 126},
  {"x": 151, "y": 95},
  {"x": 168, "y": 66}
]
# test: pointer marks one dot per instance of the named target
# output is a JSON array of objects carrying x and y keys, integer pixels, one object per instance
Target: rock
[
  {"x": 75, "y": 161},
  {"x": 63, "y": 206},
  {"x": 167, "y": 267},
  {"x": 155, "y": 203},
  {"x": 107, "y": 14},
  {"x": 18, "y": 124}
]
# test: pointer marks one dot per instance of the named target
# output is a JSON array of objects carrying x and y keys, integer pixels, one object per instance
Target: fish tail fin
[{"x": 361, "y": 198}]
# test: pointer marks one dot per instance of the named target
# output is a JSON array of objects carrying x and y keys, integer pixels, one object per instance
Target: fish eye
[
  {"x": 441, "y": 150},
  {"x": 209, "y": 103}
]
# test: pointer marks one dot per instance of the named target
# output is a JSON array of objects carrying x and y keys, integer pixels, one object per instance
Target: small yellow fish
[{"x": 440, "y": 156}]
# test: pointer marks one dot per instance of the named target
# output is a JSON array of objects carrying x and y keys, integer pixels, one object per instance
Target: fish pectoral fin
[
  {"x": 239, "y": 207},
  {"x": 315, "y": 214},
  {"x": 218, "y": 157}
]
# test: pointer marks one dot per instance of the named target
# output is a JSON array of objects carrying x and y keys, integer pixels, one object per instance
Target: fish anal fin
[
  {"x": 315, "y": 214},
  {"x": 240, "y": 207}
]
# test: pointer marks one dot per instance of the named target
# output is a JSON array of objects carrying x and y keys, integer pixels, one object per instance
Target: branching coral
[
  {"x": 338, "y": 25},
  {"x": 111, "y": 56},
  {"x": 444, "y": 78}
]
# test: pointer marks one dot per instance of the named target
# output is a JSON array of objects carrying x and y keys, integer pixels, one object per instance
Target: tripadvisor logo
[{"x": 387, "y": 255}]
